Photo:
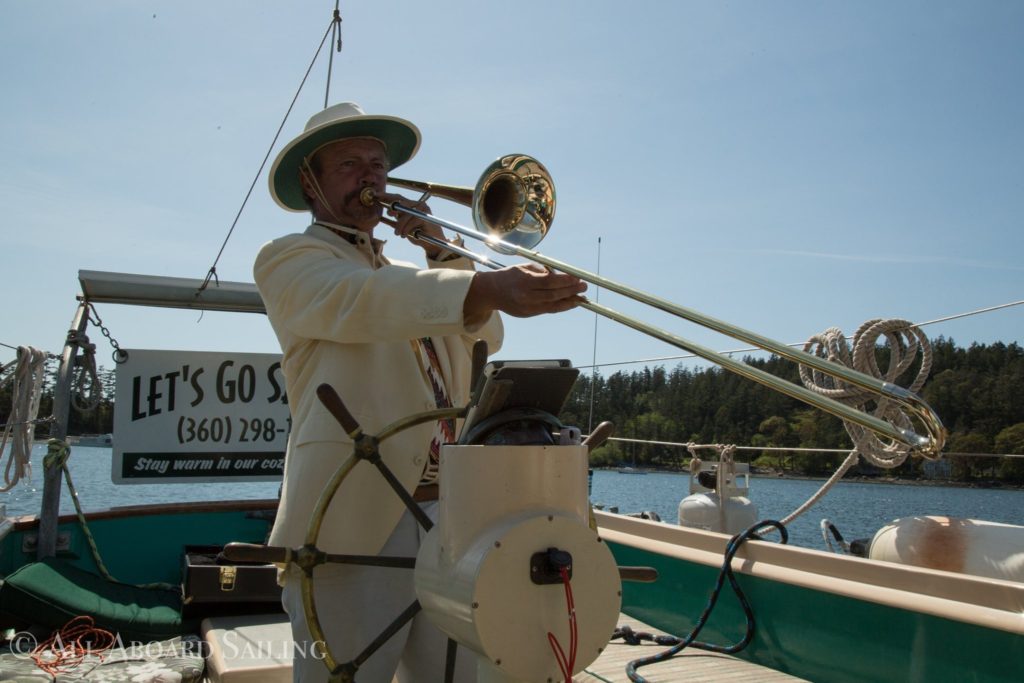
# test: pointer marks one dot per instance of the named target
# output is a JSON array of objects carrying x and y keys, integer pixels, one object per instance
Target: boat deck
[
  {"x": 689, "y": 665},
  {"x": 610, "y": 667}
]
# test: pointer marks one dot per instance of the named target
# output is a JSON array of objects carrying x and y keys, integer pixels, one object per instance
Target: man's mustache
[{"x": 354, "y": 195}]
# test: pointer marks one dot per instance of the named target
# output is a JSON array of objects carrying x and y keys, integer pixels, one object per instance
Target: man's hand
[
  {"x": 521, "y": 291},
  {"x": 405, "y": 225}
]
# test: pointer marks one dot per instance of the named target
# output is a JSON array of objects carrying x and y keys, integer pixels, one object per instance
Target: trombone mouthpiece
[{"x": 368, "y": 197}]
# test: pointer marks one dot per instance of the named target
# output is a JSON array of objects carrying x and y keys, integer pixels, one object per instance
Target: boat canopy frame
[
  {"x": 134, "y": 290},
  {"x": 169, "y": 292}
]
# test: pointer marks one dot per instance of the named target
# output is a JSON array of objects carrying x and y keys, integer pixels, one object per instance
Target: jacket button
[{"x": 419, "y": 460}]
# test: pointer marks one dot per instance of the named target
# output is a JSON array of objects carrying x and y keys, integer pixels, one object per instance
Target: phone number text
[{"x": 229, "y": 429}]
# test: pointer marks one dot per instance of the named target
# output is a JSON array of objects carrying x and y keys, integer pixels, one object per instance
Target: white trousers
[{"x": 355, "y": 603}]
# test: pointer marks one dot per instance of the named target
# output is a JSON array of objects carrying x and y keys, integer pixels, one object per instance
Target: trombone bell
[{"x": 514, "y": 200}]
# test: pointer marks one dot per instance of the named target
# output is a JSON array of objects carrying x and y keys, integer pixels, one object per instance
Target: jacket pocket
[{"x": 320, "y": 425}]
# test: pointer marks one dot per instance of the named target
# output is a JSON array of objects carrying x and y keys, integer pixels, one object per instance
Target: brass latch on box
[{"x": 227, "y": 578}]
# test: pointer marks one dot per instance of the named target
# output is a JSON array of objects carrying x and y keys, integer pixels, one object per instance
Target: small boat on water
[
  {"x": 92, "y": 440},
  {"x": 893, "y": 622}
]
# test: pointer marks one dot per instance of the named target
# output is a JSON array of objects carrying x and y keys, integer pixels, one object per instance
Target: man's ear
[{"x": 307, "y": 185}]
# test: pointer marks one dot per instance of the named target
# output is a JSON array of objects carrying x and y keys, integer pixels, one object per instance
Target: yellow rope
[{"x": 57, "y": 453}]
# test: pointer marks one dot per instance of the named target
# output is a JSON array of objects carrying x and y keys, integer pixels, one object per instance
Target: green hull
[
  {"x": 144, "y": 545},
  {"x": 821, "y": 634},
  {"x": 820, "y": 617}
]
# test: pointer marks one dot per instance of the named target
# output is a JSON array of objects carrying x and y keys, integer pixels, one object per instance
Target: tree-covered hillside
[{"x": 977, "y": 391}]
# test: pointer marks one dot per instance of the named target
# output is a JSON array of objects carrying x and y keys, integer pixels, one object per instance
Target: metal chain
[{"x": 119, "y": 355}]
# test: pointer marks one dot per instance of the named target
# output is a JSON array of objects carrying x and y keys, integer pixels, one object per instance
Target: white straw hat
[{"x": 345, "y": 120}]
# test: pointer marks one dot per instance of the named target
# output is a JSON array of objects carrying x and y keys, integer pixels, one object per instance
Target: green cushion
[{"x": 51, "y": 592}]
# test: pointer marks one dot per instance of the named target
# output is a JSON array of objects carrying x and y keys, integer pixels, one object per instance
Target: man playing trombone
[{"x": 393, "y": 340}]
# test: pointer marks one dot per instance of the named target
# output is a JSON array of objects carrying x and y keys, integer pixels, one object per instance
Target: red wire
[
  {"x": 563, "y": 665},
  {"x": 566, "y": 664},
  {"x": 68, "y": 647},
  {"x": 573, "y": 631}
]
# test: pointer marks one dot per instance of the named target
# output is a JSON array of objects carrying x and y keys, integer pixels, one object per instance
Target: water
[
  {"x": 90, "y": 472},
  {"x": 857, "y": 509}
]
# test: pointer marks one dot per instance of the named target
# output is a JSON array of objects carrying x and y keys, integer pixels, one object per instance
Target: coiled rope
[
  {"x": 87, "y": 391},
  {"x": 20, "y": 429},
  {"x": 690, "y": 640},
  {"x": 905, "y": 340}
]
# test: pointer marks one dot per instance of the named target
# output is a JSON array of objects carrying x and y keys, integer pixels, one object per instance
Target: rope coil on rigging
[
  {"x": 904, "y": 341},
  {"x": 87, "y": 391},
  {"x": 20, "y": 429}
]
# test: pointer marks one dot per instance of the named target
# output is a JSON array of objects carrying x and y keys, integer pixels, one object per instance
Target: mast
[{"x": 50, "y": 510}]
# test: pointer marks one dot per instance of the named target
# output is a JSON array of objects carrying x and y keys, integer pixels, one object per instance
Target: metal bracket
[{"x": 30, "y": 542}]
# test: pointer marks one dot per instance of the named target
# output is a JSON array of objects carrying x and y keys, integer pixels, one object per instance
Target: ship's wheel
[
  {"x": 523, "y": 516},
  {"x": 365, "y": 447}
]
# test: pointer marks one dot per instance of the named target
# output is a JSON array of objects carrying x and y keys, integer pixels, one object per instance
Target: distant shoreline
[{"x": 942, "y": 483}]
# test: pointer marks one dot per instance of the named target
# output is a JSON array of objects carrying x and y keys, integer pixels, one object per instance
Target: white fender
[{"x": 953, "y": 544}]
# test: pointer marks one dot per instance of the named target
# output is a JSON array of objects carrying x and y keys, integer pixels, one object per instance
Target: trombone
[{"x": 513, "y": 205}]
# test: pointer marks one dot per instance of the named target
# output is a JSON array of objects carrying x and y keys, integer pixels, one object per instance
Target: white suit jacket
[{"x": 349, "y": 318}]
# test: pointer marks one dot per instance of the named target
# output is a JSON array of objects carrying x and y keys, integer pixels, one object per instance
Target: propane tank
[{"x": 718, "y": 496}]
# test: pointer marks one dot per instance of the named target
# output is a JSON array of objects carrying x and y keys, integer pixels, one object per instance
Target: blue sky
[{"x": 784, "y": 166}]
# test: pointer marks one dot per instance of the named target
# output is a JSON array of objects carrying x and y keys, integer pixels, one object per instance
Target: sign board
[{"x": 196, "y": 416}]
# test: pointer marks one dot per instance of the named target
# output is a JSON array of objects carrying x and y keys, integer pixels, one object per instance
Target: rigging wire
[
  {"x": 212, "y": 273},
  {"x": 335, "y": 34},
  {"x": 970, "y": 313},
  {"x": 794, "y": 345},
  {"x": 792, "y": 449},
  {"x": 15, "y": 348}
]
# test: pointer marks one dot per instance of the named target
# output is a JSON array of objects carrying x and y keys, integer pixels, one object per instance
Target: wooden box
[{"x": 212, "y": 585}]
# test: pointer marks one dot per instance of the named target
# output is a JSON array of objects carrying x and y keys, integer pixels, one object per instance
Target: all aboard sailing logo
[{"x": 197, "y": 416}]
